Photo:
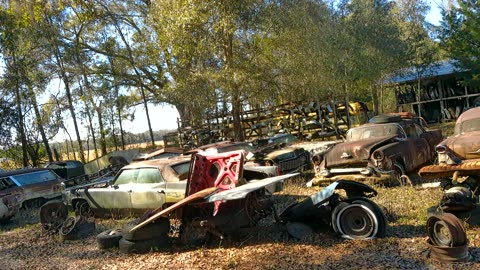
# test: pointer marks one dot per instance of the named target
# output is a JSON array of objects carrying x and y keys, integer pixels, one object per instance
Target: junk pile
[{"x": 55, "y": 221}]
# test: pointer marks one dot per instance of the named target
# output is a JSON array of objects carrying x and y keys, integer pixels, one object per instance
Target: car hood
[
  {"x": 465, "y": 146},
  {"x": 355, "y": 152}
]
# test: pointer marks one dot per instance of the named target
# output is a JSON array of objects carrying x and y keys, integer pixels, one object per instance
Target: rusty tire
[
  {"x": 109, "y": 239},
  {"x": 143, "y": 246},
  {"x": 53, "y": 212},
  {"x": 83, "y": 209},
  {"x": 446, "y": 230},
  {"x": 156, "y": 229}
]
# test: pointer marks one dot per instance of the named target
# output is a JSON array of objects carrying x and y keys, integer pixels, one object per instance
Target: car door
[
  {"x": 115, "y": 197},
  {"x": 148, "y": 192},
  {"x": 420, "y": 150}
]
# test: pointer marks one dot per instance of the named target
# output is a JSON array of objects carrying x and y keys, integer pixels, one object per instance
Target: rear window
[
  {"x": 34, "y": 177},
  {"x": 468, "y": 126},
  {"x": 181, "y": 168}
]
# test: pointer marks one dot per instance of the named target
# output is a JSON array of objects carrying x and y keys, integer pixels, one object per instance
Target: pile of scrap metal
[
  {"x": 447, "y": 239},
  {"x": 55, "y": 221},
  {"x": 459, "y": 169},
  {"x": 219, "y": 203},
  {"x": 353, "y": 216}
]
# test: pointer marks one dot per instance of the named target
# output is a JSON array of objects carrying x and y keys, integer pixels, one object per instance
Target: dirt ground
[{"x": 24, "y": 245}]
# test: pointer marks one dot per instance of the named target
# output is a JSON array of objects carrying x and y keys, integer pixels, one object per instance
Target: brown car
[
  {"x": 381, "y": 151},
  {"x": 459, "y": 168}
]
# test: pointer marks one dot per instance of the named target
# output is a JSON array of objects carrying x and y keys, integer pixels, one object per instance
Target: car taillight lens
[{"x": 441, "y": 149}]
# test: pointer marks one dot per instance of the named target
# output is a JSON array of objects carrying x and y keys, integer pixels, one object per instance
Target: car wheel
[
  {"x": 109, "y": 239},
  {"x": 143, "y": 246},
  {"x": 400, "y": 175},
  {"x": 159, "y": 228},
  {"x": 83, "y": 209},
  {"x": 76, "y": 228},
  {"x": 53, "y": 214},
  {"x": 192, "y": 235},
  {"x": 382, "y": 220},
  {"x": 356, "y": 221},
  {"x": 446, "y": 230}
]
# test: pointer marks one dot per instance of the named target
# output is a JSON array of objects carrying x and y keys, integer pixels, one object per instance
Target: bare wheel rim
[
  {"x": 357, "y": 221},
  {"x": 441, "y": 233}
]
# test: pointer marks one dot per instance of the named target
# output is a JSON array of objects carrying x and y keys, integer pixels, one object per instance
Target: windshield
[
  {"x": 374, "y": 131},
  {"x": 468, "y": 126},
  {"x": 139, "y": 176}
]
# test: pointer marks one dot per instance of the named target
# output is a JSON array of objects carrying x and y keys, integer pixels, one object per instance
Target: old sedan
[
  {"x": 137, "y": 187},
  {"x": 381, "y": 151},
  {"x": 459, "y": 168}
]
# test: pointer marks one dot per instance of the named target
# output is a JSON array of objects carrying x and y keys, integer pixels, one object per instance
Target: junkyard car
[
  {"x": 459, "y": 168},
  {"x": 381, "y": 151},
  {"x": 38, "y": 185},
  {"x": 137, "y": 187},
  {"x": 281, "y": 151}
]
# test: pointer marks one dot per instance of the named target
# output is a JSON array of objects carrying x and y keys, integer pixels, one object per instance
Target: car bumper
[{"x": 381, "y": 179}]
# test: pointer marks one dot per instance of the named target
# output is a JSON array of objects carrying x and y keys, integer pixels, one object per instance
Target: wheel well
[
  {"x": 77, "y": 201},
  {"x": 402, "y": 163}
]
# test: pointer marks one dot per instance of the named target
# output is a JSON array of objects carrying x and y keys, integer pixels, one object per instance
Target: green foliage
[{"x": 461, "y": 36}]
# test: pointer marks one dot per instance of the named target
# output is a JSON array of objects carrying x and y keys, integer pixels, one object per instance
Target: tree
[{"x": 461, "y": 36}]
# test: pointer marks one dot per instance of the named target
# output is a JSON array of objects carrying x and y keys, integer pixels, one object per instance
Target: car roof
[
  {"x": 216, "y": 145},
  {"x": 23, "y": 171},
  {"x": 144, "y": 156},
  {"x": 157, "y": 163},
  {"x": 469, "y": 114}
]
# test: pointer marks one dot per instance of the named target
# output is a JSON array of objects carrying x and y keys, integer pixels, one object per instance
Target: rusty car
[
  {"x": 281, "y": 150},
  {"x": 38, "y": 185},
  {"x": 382, "y": 151},
  {"x": 458, "y": 167}
]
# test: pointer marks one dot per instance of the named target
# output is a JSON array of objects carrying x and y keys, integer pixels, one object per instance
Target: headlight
[
  {"x": 378, "y": 155},
  {"x": 441, "y": 149}
]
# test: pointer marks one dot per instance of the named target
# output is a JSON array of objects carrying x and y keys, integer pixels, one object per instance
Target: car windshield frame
[
  {"x": 467, "y": 126},
  {"x": 375, "y": 131}
]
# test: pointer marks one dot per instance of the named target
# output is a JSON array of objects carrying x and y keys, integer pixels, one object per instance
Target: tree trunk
[
  {"x": 237, "y": 123},
  {"x": 21, "y": 126},
  {"x": 375, "y": 100},
  {"x": 33, "y": 99},
  {"x": 148, "y": 116}
]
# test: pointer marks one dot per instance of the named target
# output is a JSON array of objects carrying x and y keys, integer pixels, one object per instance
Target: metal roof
[{"x": 437, "y": 69}]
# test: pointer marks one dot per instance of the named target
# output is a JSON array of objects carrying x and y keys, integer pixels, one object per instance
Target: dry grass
[{"x": 268, "y": 246}]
